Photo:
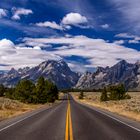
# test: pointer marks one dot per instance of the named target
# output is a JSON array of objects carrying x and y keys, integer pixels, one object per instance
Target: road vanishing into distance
[{"x": 68, "y": 120}]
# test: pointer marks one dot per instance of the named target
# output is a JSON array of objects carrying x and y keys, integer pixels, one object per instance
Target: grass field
[
  {"x": 10, "y": 108},
  {"x": 129, "y": 108}
]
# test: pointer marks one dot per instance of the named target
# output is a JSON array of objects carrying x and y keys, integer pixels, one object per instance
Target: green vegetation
[
  {"x": 2, "y": 90},
  {"x": 79, "y": 90},
  {"x": 115, "y": 92},
  {"x": 104, "y": 95},
  {"x": 81, "y": 95},
  {"x": 26, "y": 91}
]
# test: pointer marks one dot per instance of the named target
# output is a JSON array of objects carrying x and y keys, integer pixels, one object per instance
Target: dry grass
[
  {"x": 61, "y": 94},
  {"x": 129, "y": 108},
  {"x": 10, "y": 108}
]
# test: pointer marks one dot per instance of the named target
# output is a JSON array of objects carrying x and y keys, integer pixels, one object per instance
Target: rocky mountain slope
[
  {"x": 59, "y": 73},
  {"x": 55, "y": 71},
  {"x": 122, "y": 72}
]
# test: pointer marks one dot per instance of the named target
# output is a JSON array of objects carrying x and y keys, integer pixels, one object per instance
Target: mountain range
[
  {"x": 60, "y": 73},
  {"x": 122, "y": 72},
  {"x": 57, "y": 72}
]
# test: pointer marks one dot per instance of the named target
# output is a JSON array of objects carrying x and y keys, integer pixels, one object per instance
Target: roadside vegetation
[
  {"x": 81, "y": 95},
  {"x": 10, "y": 108},
  {"x": 26, "y": 96},
  {"x": 115, "y": 92},
  {"x": 127, "y": 107},
  {"x": 27, "y": 92}
]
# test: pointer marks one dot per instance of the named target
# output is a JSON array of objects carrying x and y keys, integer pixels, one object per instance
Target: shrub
[
  {"x": 2, "y": 90},
  {"x": 81, "y": 95},
  {"x": 116, "y": 92},
  {"x": 9, "y": 93},
  {"x": 104, "y": 96},
  {"x": 127, "y": 96}
]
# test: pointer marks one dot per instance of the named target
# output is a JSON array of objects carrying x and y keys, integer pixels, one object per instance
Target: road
[{"x": 68, "y": 120}]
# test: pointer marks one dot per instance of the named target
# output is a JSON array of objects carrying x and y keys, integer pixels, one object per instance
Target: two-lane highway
[
  {"x": 48, "y": 124},
  {"x": 88, "y": 124},
  {"x": 68, "y": 120}
]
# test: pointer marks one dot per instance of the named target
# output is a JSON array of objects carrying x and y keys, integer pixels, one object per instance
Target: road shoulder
[
  {"x": 16, "y": 119},
  {"x": 122, "y": 119}
]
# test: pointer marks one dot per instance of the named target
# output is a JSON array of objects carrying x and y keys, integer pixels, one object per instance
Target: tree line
[
  {"x": 80, "y": 90},
  {"x": 26, "y": 91}
]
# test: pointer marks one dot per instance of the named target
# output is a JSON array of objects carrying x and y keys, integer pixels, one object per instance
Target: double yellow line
[{"x": 68, "y": 132}]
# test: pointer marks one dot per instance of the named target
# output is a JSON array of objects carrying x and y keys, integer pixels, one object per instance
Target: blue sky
[{"x": 84, "y": 33}]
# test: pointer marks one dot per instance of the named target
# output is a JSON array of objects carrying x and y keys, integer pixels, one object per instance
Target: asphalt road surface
[{"x": 68, "y": 120}]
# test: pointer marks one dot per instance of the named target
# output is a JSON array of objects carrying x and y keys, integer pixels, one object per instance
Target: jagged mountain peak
[
  {"x": 122, "y": 72},
  {"x": 121, "y": 63},
  {"x": 55, "y": 71},
  {"x": 102, "y": 69},
  {"x": 138, "y": 63},
  {"x": 60, "y": 73},
  {"x": 53, "y": 64},
  {"x": 12, "y": 71}
]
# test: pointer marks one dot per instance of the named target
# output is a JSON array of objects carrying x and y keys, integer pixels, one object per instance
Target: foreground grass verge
[
  {"x": 11, "y": 108},
  {"x": 128, "y": 107}
]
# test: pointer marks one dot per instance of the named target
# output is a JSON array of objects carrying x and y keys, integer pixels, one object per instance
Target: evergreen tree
[
  {"x": 24, "y": 91},
  {"x": 40, "y": 90},
  {"x": 121, "y": 91},
  {"x": 81, "y": 95},
  {"x": 51, "y": 91},
  {"x": 117, "y": 92},
  {"x": 9, "y": 93},
  {"x": 104, "y": 96},
  {"x": 2, "y": 90}
]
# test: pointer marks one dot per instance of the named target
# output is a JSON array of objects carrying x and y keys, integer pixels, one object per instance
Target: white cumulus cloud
[
  {"x": 6, "y": 44},
  {"x": 18, "y": 12},
  {"x": 133, "y": 41},
  {"x": 3, "y": 13},
  {"x": 12, "y": 55},
  {"x": 125, "y": 35},
  {"x": 105, "y": 26},
  {"x": 49, "y": 24},
  {"x": 74, "y": 19},
  {"x": 98, "y": 52},
  {"x": 119, "y": 42},
  {"x": 68, "y": 20}
]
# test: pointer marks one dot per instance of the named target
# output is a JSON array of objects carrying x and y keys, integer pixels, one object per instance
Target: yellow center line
[
  {"x": 70, "y": 122},
  {"x": 68, "y": 131}
]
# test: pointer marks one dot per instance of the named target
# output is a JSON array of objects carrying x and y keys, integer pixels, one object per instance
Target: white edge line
[
  {"x": 116, "y": 119},
  {"x": 119, "y": 121},
  {"x": 21, "y": 120}
]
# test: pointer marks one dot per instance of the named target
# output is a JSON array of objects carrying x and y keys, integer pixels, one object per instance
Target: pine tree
[
  {"x": 24, "y": 91},
  {"x": 2, "y": 90},
  {"x": 40, "y": 90},
  {"x": 117, "y": 92},
  {"x": 104, "y": 96},
  {"x": 52, "y": 91},
  {"x": 81, "y": 95}
]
